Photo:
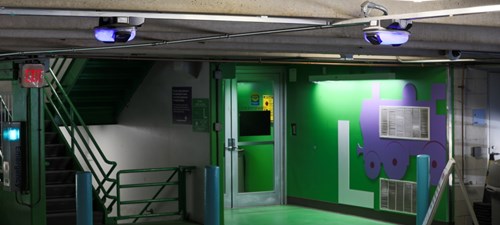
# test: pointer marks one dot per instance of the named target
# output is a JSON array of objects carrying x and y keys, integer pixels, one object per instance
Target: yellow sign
[{"x": 268, "y": 105}]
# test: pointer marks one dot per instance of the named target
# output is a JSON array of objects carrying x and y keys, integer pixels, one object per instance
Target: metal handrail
[
  {"x": 6, "y": 108},
  {"x": 65, "y": 110},
  {"x": 145, "y": 208},
  {"x": 181, "y": 198}
]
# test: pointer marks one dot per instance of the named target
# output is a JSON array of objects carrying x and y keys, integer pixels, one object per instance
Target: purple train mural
[{"x": 394, "y": 154}]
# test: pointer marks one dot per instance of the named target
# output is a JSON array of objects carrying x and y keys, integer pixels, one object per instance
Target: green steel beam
[
  {"x": 19, "y": 101},
  {"x": 7, "y": 71},
  {"x": 36, "y": 156}
]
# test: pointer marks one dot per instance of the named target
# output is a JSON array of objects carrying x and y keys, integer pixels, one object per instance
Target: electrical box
[
  {"x": 477, "y": 152},
  {"x": 14, "y": 156}
]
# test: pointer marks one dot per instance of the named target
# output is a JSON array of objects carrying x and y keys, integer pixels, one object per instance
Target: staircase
[
  {"x": 60, "y": 181},
  {"x": 101, "y": 88},
  {"x": 80, "y": 151}
]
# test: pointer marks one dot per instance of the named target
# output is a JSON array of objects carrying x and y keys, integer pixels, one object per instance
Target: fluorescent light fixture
[
  {"x": 114, "y": 34},
  {"x": 363, "y": 76}
]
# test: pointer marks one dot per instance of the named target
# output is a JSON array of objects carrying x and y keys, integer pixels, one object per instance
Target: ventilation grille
[
  {"x": 398, "y": 196},
  {"x": 403, "y": 122}
]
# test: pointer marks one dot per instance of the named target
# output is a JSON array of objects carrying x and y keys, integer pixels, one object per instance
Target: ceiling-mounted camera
[
  {"x": 453, "y": 54},
  {"x": 117, "y": 29},
  {"x": 395, "y": 34}
]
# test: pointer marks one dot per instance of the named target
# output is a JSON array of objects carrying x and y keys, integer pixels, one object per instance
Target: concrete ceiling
[{"x": 475, "y": 35}]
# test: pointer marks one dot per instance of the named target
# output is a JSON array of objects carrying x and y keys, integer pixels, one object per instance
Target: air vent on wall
[{"x": 398, "y": 196}]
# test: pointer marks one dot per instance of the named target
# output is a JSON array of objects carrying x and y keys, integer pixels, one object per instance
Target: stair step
[
  {"x": 48, "y": 125},
  {"x": 60, "y": 176},
  {"x": 69, "y": 218},
  {"x": 59, "y": 163},
  {"x": 50, "y": 137},
  {"x": 60, "y": 190},
  {"x": 57, "y": 205},
  {"x": 55, "y": 149}
]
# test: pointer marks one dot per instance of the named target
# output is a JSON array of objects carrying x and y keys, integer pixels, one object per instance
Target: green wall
[{"x": 312, "y": 154}]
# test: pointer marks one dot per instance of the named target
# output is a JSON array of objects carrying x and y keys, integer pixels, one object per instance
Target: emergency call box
[{"x": 14, "y": 156}]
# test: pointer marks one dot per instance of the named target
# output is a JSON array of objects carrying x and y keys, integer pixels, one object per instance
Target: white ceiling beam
[{"x": 164, "y": 16}]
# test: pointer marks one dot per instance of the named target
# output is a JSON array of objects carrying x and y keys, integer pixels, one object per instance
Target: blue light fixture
[
  {"x": 114, "y": 34},
  {"x": 117, "y": 29},
  {"x": 395, "y": 34},
  {"x": 387, "y": 37},
  {"x": 12, "y": 134}
]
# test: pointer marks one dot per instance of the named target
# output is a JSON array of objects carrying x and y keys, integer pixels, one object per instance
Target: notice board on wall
[
  {"x": 181, "y": 105},
  {"x": 404, "y": 122},
  {"x": 200, "y": 115}
]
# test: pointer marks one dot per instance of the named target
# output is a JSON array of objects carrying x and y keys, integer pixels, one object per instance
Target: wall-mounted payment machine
[{"x": 14, "y": 156}]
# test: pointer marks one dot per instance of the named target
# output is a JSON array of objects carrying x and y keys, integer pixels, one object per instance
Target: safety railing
[
  {"x": 176, "y": 177},
  {"x": 5, "y": 116},
  {"x": 5, "y": 109},
  {"x": 63, "y": 113}
]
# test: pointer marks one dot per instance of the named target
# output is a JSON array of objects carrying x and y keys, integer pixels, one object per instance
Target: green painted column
[{"x": 36, "y": 154}]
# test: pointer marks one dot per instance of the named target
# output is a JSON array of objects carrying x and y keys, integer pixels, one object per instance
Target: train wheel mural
[
  {"x": 372, "y": 165},
  {"x": 396, "y": 160},
  {"x": 437, "y": 153}
]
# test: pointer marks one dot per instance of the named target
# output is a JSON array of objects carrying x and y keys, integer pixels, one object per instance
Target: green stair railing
[
  {"x": 63, "y": 113},
  {"x": 5, "y": 114},
  {"x": 180, "y": 198}
]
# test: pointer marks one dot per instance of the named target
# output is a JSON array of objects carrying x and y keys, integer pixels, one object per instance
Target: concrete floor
[
  {"x": 166, "y": 223},
  {"x": 283, "y": 215},
  {"x": 292, "y": 215}
]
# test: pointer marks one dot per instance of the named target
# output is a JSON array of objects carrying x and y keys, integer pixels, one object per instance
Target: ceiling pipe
[
  {"x": 264, "y": 61},
  {"x": 187, "y": 40},
  {"x": 307, "y": 61},
  {"x": 441, "y": 60}
]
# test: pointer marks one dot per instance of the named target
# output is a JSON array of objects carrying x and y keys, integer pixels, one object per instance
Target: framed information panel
[{"x": 404, "y": 122}]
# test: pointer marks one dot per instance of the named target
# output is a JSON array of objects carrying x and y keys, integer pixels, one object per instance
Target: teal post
[
  {"x": 423, "y": 186},
  {"x": 212, "y": 195},
  {"x": 182, "y": 192},
  {"x": 84, "y": 198}
]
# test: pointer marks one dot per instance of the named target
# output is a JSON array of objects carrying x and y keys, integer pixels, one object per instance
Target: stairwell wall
[{"x": 146, "y": 137}]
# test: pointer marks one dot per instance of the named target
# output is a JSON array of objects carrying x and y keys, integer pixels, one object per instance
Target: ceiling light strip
[
  {"x": 337, "y": 77},
  {"x": 165, "y": 16}
]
